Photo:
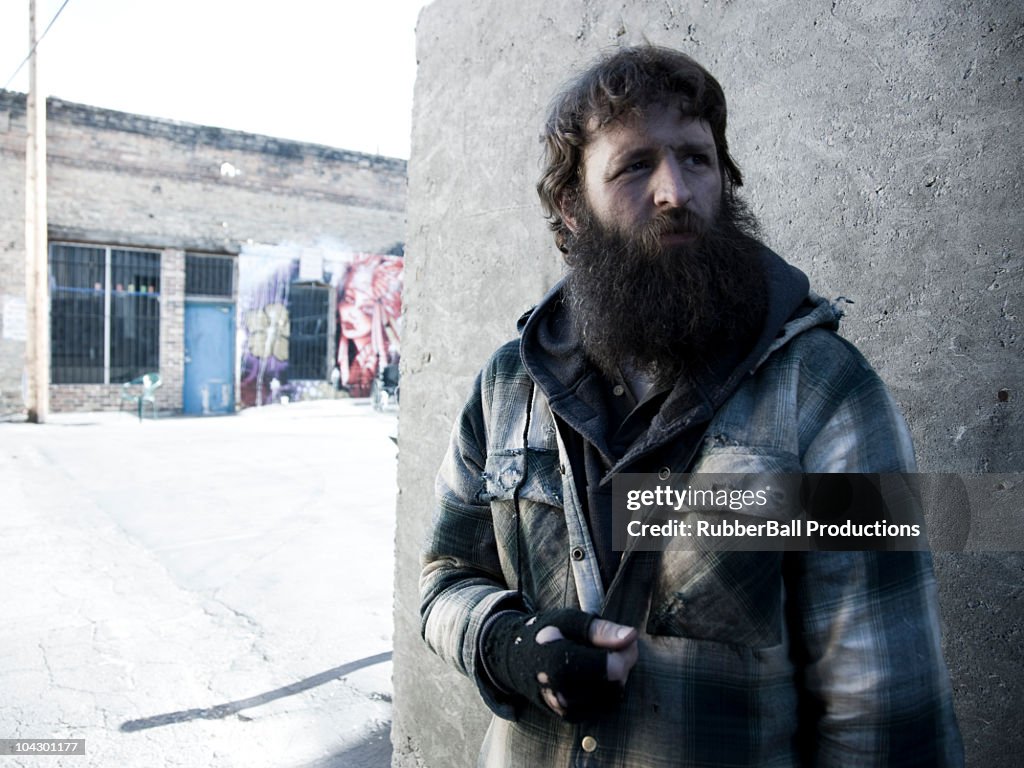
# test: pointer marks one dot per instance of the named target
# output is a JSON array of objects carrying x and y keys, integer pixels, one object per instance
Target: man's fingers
[
  {"x": 608, "y": 634},
  {"x": 621, "y": 662},
  {"x": 549, "y": 634},
  {"x": 552, "y": 700},
  {"x": 618, "y": 639}
]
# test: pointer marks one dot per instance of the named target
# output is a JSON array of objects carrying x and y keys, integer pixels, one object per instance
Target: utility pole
[{"x": 37, "y": 278}]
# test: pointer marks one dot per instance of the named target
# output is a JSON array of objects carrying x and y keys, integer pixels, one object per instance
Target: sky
[{"x": 333, "y": 72}]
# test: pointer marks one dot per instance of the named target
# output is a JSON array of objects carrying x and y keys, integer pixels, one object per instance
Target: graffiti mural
[
  {"x": 366, "y": 320},
  {"x": 369, "y": 318},
  {"x": 264, "y": 328}
]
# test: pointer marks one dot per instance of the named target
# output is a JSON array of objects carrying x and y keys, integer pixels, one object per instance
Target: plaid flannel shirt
[{"x": 746, "y": 659}]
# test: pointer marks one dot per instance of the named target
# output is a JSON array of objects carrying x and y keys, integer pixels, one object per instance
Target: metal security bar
[
  {"x": 308, "y": 306},
  {"x": 104, "y": 314},
  {"x": 78, "y": 278},
  {"x": 209, "y": 276},
  {"x": 134, "y": 318}
]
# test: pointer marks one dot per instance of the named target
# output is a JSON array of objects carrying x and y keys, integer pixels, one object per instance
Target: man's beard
[{"x": 638, "y": 304}]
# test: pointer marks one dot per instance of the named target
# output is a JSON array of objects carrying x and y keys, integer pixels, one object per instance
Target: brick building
[{"x": 223, "y": 260}]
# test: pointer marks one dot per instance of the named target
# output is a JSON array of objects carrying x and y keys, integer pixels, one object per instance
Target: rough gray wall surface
[{"x": 882, "y": 149}]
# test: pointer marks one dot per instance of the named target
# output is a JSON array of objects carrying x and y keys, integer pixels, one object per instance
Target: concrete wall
[
  {"x": 123, "y": 179},
  {"x": 882, "y": 149}
]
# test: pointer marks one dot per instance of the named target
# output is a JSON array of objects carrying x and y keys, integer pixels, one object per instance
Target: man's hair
[{"x": 626, "y": 82}]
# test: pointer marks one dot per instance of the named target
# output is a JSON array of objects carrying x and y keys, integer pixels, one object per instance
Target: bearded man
[{"x": 676, "y": 343}]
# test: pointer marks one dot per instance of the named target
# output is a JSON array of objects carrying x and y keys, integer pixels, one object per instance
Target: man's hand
[
  {"x": 566, "y": 661},
  {"x": 618, "y": 639}
]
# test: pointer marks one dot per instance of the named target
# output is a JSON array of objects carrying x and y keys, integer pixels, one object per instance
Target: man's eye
[
  {"x": 639, "y": 165},
  {"x": 696, "y": 159}
]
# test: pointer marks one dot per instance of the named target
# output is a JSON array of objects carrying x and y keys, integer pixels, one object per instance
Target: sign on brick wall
[{"x": 15, "y": 324}]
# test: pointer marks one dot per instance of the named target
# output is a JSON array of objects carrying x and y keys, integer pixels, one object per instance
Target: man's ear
[{"x": 566, "y": 207}]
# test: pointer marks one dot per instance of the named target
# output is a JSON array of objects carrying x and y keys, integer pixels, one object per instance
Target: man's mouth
[{"x": 677, "y": 227}]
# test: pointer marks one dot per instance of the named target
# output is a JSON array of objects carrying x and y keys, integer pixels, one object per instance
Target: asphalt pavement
[{"x": 202, "y": 592}]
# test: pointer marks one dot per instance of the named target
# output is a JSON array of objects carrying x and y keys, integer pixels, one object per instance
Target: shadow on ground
[
  {"x": 374, "y": 751},
  {"x": 229, "y": 708}
]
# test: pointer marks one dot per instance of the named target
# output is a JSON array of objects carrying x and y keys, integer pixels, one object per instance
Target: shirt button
[
  {"x": 577, "y": 553},
  {"x": 664, "y": 473},
  {"x": 589, "y": 744},
  {"x": 619, "y": 390}
]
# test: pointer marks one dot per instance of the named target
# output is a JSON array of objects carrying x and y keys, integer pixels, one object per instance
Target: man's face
[
  {"x": 663, "y": 267},
  {"x": 658, "y": 169}
]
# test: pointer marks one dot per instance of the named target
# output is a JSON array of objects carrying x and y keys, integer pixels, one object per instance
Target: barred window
[
  {"x": 104, "y": 314},
  {"x": 209, "y": 276},
  {"x": 307, "y": 343}
]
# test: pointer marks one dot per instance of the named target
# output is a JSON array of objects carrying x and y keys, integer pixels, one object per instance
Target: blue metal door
[{"x": 209, "y": 358}]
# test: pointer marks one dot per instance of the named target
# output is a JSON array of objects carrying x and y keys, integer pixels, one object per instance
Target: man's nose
[{"x": 670, "y": 190}]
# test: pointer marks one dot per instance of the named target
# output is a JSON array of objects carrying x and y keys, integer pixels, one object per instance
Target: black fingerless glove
[{"x": 575, "y": 669}]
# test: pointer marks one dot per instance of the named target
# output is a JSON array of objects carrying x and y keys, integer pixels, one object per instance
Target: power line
[{"x": 36, "y": 44}]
